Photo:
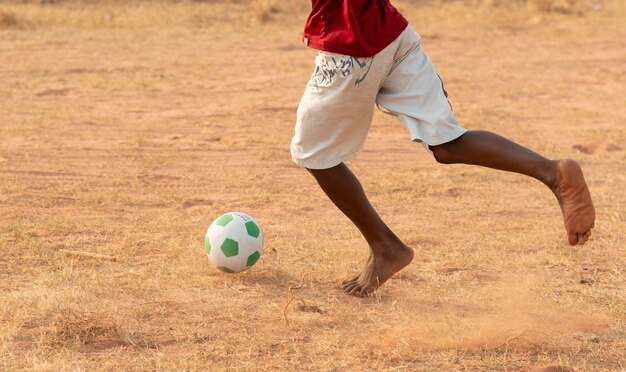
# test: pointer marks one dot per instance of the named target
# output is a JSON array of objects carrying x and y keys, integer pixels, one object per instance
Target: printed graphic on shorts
[{"x": 328, "y": 69}]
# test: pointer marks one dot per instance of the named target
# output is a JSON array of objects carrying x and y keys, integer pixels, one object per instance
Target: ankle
[
  {"x": 389, "y": 248},
  {"x": 550, "y": 176}
]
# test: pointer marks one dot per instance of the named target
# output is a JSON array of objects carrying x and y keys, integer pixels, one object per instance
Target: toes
[
  {"x": 582, "y": 238},
  {"x": 365, "y": 292},
  {"x": 572, "y": 238},
  {"x": 349, "y": 284},
  {"x": 356, "y": 290},
  {"x": 578, "y": 238},
  {"x": 349, "y": 287}
]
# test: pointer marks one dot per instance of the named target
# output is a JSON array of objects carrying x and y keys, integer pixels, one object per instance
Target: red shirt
[{"x": 359, "y": 28}]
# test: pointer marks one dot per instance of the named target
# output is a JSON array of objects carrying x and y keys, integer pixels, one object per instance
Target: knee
[{"x": 444, "y": 154}]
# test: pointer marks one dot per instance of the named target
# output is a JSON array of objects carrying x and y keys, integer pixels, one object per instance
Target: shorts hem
[
  {"x": 452, "y": 135},
  {"x": 309, "y": 164},
  {"x": 440, "y": 140}
]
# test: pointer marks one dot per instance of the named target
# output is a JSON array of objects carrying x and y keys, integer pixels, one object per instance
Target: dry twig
[
  {"x": 300, "y": 287},
  {"x": 88, "y": 254},
  {"x": 509, "y": 340}
]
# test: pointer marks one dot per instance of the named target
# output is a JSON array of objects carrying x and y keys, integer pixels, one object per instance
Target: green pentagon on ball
[
  {"x": 252, "y": 229},
  {"x": 207, "y": 245},
  {"x": 253, "y": 258},
  {"x": 225, "y": 269},
  {"x": 224, "y": 220},
  {"x": 230, "y": 247}
]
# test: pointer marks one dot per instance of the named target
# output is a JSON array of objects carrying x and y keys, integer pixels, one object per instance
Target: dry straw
[{"x": 126, "y": 126}]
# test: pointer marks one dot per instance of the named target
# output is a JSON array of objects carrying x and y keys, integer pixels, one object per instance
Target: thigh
[{"x": 414, "y": 93}]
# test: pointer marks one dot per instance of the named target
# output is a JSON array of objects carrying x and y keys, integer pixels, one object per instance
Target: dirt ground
[{"x": 126, "y": 129}]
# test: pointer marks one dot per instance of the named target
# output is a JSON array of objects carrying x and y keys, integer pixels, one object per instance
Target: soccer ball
[{"x": 234, "y": 242}]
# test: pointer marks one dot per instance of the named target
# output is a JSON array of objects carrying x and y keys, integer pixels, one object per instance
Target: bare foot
[
  {"x": 378, "y": 269},
  {"x": 575, "y": 200}
]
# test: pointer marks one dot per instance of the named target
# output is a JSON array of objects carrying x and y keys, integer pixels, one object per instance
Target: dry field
[{"x": 126, "y": 128}]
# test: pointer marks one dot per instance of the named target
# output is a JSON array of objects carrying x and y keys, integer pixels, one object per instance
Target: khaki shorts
[{"x": 336, "y": 110}]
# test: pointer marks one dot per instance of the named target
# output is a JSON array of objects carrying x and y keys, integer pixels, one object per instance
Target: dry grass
[
  {"x": 147, "y": 14},
  {"x": 84, "y": 14},
  {"x": 9, "y": 20},
  {"x": 264, "y": 10},
  {"x": 126, "y": 128}
]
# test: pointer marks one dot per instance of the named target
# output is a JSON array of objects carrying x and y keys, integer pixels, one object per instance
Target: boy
[{"x": 368, "y": 54}]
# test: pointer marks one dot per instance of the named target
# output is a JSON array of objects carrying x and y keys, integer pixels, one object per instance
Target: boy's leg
[
  {"x": 388, "y": 254},
  {"x": 332, "y": 123},
  {"x": 564, "y": 178},
  {"x": 414, "y": 93}
]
